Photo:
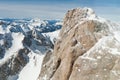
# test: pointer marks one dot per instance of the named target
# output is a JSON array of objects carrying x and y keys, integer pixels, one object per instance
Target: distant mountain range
[
  {"x": 24, "y": 41},
  {"x": 42, "y": 25}
]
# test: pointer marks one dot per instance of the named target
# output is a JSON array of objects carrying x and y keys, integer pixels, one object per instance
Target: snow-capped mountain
[
  {"x": 24, "y": 25},
  {"x": 23, "y": 44}
]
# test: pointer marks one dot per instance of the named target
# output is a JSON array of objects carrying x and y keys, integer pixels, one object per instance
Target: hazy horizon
[{"x": 56, "y": 9}]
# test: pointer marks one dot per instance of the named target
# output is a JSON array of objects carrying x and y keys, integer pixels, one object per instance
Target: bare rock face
[{"x": 88, "y": 49}]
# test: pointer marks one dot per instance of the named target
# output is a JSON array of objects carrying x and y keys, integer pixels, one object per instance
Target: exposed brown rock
[{"x": 73, "y": 57}]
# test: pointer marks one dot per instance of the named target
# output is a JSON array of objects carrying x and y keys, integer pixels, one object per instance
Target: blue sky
[{"x": 56, "y": 9}]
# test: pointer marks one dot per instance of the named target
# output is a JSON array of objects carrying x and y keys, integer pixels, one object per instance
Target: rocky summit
[{"x": 88, "y": 48}]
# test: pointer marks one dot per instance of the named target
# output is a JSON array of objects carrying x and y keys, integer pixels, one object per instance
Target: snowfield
[
  {"x": 32, "y": 69},
  {"x": 23, "y": 43}
]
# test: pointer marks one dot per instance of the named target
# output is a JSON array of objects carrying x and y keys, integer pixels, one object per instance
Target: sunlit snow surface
[
  {"x": 32, "y": 69},
  {"x": 52, "y": 35}
]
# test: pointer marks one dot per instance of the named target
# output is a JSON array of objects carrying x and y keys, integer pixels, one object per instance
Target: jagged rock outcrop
[{"x": 88, "y": 49}]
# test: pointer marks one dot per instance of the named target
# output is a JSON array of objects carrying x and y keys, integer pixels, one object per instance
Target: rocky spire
[{"x": 88, "y": 49}]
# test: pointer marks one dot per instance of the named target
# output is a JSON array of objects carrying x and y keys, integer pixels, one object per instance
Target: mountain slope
[
  {"x": 87, "y": 49},
  {"x": 23, "y": 44}
]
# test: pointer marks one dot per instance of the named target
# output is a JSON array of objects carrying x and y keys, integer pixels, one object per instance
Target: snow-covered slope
[
  {"x": 23, "y": 44},
  {"x": 52, "y": 35},
  {"x": 32, "y": 70}
]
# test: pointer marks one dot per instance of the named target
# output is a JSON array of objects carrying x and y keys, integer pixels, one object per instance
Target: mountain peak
[
  {"x": 81, "y": 13},
  {"x": 88, "y": 49}
]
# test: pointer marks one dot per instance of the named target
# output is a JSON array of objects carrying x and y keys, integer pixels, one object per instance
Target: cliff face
[{"x": 88, "y": 48}]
